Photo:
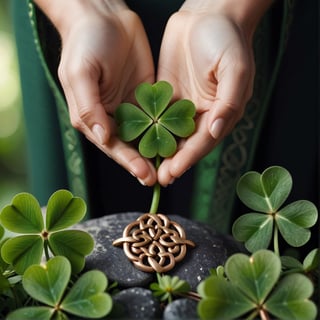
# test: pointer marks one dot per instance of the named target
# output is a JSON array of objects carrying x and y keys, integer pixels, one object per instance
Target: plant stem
[
  {"x": 191, "y": 295},
  {"x": 155, "y": 199},
  {"x": 156, "y": 191},
  {"x": 276, "y": 241}
]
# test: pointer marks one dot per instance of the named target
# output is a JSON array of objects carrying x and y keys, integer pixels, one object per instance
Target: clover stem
[
  {"x": 276, "y": 241},
  {"x": 156, "y": 191},
  {"x": 191, "y": 295},
  {"x": 155, "y": 198}
]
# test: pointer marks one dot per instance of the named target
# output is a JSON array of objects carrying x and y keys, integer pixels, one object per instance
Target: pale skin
[{"x": 206, "y": 54}]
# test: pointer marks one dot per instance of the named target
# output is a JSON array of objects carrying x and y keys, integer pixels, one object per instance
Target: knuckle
[
  {"x": 74, "y": 70},
  {"x": 76, "y": 122},
  {"x": 84, "y": 113}
]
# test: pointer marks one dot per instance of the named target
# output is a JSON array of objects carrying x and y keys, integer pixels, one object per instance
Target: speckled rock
[
  {"x": 179, "y": 309},
  {"x": 211, "y": 250},
  {"x": 135, "y": 303},
  {"x": 110, "y": 259}
]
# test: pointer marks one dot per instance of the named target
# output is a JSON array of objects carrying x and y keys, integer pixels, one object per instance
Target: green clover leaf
[
  {"x": 312, "y": 260},
  {"x": 265, "y": 192},
  {"x": 290, "y": 299},
  {"x": 221, "y": 300},
  {"x": 63, "y": 210},
  {"x": 23, "y": 251},
  {"x": 255, "y": 276},
  {"x": 294, "y": 220},
  {"x": 73, "y": 244},
  {"x": 48, "y": 284},
  {"x": 157, "y": 141},
  {"x": 87, "y": 297},
  {"x": 24, "y": 216},
  {"x": 158, "y": 123},
  {"x": 155, "y": 98},
  {"x": 254, "y": 229}
]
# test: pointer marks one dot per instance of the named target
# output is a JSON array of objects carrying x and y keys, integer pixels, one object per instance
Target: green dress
[{"x": 280, "y": 125}]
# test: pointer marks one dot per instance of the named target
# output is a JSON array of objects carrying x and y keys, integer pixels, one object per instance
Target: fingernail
[
  {"x": 169, "y": 183},
  {"x": 132, "y": 174},
  {"x": 141, "y": 181},
  {"x": 217, "y": 127},
  {"x": 99, "y": 133}
]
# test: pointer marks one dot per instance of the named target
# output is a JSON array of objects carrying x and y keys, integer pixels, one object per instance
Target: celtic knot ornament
[{"x": 154, "y": 243}]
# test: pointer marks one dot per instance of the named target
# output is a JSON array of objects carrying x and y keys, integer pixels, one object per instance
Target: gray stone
[
  {"x": 109, "y": 259},
  {"x": 211, "y": 250},
  {"x": 179, "y": 309},
  {"x": 135, "y": 303}
]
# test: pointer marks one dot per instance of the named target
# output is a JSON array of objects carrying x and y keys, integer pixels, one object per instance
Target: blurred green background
[{"x": 13, "y": 158}]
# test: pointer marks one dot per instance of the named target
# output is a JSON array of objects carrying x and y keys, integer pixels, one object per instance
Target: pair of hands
[{"x": 205, "y": 55}]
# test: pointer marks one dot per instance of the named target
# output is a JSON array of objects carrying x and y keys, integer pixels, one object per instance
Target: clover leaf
[
  {"x": 39, "y": 235},
  {"x": 220, "y": 299},
  {"x": 158, "y": 123},
  {"x": 266, "y": 193},
  {"x": 290, "y": 299},
  {"x": 49, "y": 283},
  {"x": 251, "y": 287},
  {"x": 312, "y": 260}
]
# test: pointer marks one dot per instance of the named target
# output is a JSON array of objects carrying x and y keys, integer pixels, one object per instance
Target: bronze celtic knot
[{"x": 154, "y": 243}]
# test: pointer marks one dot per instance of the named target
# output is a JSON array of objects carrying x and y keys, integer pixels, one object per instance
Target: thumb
[{"x": 233, "y": 91}]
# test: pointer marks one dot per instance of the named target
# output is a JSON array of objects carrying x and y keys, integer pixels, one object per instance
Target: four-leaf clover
[
  {"x": 24, "y": 216},
  {"x": 158, "y": 123}
]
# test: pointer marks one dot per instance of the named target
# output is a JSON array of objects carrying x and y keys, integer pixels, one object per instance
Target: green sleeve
[{"x": 55, "y": 155}]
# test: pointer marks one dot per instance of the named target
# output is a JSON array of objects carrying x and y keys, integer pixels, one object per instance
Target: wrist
[
  {"x": 63, "y": 14},
  {"x": 244, "y": 13}
]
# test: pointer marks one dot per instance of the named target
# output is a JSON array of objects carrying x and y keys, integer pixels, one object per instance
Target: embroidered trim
[{"x": 70, "y": 137}]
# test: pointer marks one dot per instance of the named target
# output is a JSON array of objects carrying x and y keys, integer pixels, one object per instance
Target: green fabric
[
  {"x": 71, "y": 144},
  {"x": 55, "y": 160},
  {"x": 46, "y": 170}
]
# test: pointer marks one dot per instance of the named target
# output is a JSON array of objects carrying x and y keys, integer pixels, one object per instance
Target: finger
[
  {"x": 81, "y": 87},
  {"x": 233, "y": 90},
  {"x": 189, "y": 152}
]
